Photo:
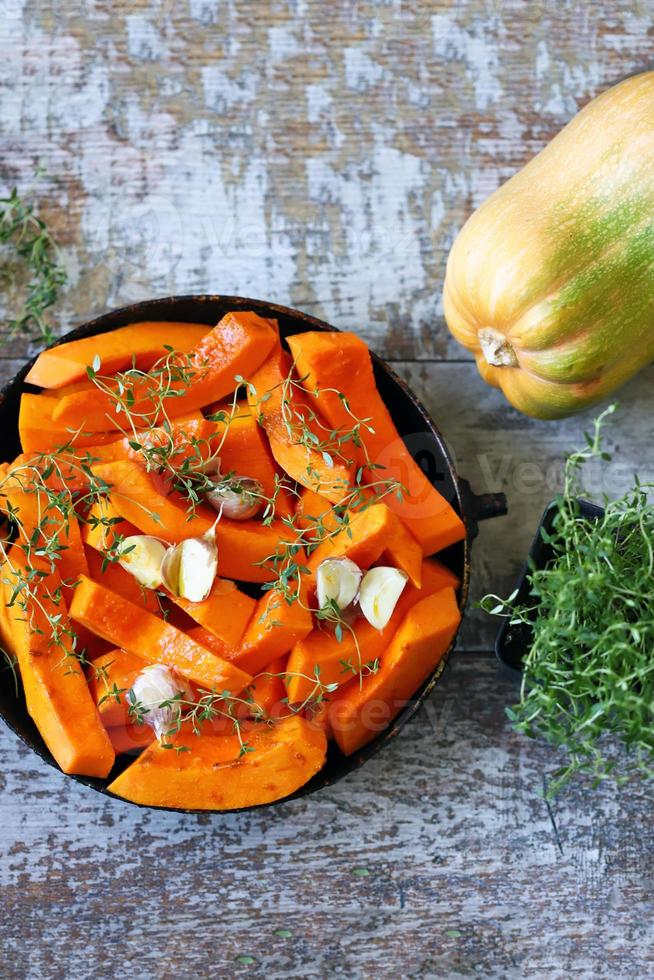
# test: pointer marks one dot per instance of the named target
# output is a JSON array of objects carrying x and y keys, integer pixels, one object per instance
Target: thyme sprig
[
  {"x": 34, "y": 265},
  {"x": 588, "y": 677},
  {"x": 211, "y": 706},
  {"x": 65, "y": 488}
]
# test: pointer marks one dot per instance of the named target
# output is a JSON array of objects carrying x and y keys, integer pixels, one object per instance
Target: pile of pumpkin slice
[{"x": 221, "y": 635}]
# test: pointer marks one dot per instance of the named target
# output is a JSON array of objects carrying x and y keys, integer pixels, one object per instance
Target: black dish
[
  {"x": 514, "y": 641},
  {"x": 413, "y": 423}
]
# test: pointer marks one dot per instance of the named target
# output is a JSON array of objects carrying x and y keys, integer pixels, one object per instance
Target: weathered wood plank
[
  {"x": 437, "y": 859},
  {"x": 323, "y": 162}
]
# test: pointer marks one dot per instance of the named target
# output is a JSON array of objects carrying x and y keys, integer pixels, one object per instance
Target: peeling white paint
[
  {"x": 144, "y": 40},
  {"x": 477, "y": 49},
  {"x": 361, "y": 72}
]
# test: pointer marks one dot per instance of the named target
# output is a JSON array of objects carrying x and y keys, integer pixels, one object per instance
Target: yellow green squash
[{"x": 550, "y": 283}]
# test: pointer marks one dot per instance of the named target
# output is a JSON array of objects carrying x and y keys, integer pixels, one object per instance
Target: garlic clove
[
  {"x": 337, "y": 580},
  {"x": 189, "y": 568},
  {"x": 198, "y": 564},
  {"x": 155, "y": 686},
  {"x": 237, "y": 497},
  {"x": 142, "y": 556},
  {"x": 211, "y": 466},
  {"x": 381, "y": 587},
  {"x": 170, "y": 569}
]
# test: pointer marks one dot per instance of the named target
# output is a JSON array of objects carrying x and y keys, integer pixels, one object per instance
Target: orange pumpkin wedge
[
  {"x": 103, "y": 527},
  {"x": 130, "y": 739},
  {"x": 276, "y": 626},
  {"x": 188, "y": 437},
  {"x": 38, "y": 432},
  {"x": 132, "y": 628},
  {"x": 358, "y": 713},
  {"x": 267, "y": 691},
  {"x": 41, "y": 523},
  {"x": 225, "y": 612},
  {"x": 313, "y": 509},
  {"x": 276, "y": 404},
  {"x": 139, "y": 343},
  {"x": 63, "y": 473},
  {"x": 214, "y": 774},
  {"x": 57, "y": 696},
  {"x": 340, "y": 362},
  {"x": 117, "y": 579},
  {"x": 234, "y": 347},
  {"x": 322, "y": 657}
]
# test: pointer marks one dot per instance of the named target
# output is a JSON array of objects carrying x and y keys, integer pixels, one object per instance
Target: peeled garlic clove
[
  {"x": 153, "y": 687},
  {"x": 337, "y": 580},
  {"x": 170, "y": 569},
  {"x": 238, "y": 497},
  {"x": 189, "y": 568},
  {"x": 142, "y": 556},
  {"x": 198, "y": 564},
  {"x": 381, "y": 587}
]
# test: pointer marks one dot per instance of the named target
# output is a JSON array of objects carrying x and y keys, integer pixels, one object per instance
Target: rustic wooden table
[{"x": 323, "y": 156}]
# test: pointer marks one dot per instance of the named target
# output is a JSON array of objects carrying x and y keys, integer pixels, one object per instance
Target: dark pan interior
[{"x": 409, "y": 416}]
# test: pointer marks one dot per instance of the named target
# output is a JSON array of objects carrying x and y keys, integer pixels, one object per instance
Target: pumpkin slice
[
  {"x": 313, "y": 509},
  {"x": 267, "y": 691},
  {"x": 41, "y": 524},
  {"x": 140, "y": 343},
  {"x": 132, "y": 628},
  {"x": 276, "y": 626},
  {"x": 118, "y": 579},
  {"x": 340, "y": 362},
  {"x": 236, "y": 346},
  {"x": 63, "y": 473},
  {"x": 214, "y": 775},
  {"x": 359, "y": 712},
  {"x": 276, "y": 403},
  {"x": 368, "y": 536},
  {"x": 189, "y": 437},
  {"x": 129, "y": 739},
  {"x": 38, "y": 432},
  {"x": 225, "y": 612},
  {"x": 321, "y": 655},
  {"x": 56, "y": 693},
  {"x": 211, "y": 642},
  {"x": 242, "y": 545},
  {"x": 104, "y": 528},
  {"x": 110, "y": 677},
  {"x": 244, "y": 450}
]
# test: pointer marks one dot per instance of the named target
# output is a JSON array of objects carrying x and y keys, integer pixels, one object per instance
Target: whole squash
[{"x": 550, "y": 283}]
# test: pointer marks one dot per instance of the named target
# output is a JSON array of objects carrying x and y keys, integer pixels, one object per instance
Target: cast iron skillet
[{"x": 413, "y": 423}]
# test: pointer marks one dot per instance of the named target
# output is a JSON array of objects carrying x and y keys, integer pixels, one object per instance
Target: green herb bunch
[
  {"x": 588, "y": 679},
  {"x": 30, "y": 259}
]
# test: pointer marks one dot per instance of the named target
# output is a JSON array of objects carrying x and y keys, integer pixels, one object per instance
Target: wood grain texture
[
  {"x": 271, "y": 150},
  {"x": 324, "y": 156},
  {"x": 458, "y": 874}
]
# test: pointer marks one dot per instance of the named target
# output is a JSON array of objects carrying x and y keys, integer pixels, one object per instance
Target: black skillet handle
[{"x": 480, "y": 507}]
